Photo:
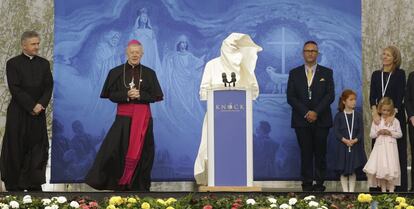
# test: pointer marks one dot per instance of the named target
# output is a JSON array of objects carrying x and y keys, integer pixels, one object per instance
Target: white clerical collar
[
  {"x": 30, "y": 57},
  {"x": 133, "y": 66}
]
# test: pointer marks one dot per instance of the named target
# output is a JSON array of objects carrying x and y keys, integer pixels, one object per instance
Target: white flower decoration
[
  {"x": 313, "y": 204},
  {"x": 46, "y": 201},
  {"x": 250, "y": 201},
  {"x": 14, "y": 204},
  {"x": 293, "y": 201},
  {"x": 4, "y": 206},
  {"x": 27, "y": 199},
  {"x": 273, "y": 206},
  {"x": 272, "y": 200},
  {"x": 310, "y": 197},
  {"x": 61, "y": 199},
  {"x": 285, "y": 206},
  {"x": 74, "y": 204},
  {"x": 54, "y": 206},
  {"x": 48, "y": 207}
]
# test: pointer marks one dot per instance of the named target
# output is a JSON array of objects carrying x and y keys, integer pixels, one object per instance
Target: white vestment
[{"x": 238, "y": 55}]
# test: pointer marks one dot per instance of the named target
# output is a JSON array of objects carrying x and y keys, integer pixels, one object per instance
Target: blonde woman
[{"x": 389, "y": 81}]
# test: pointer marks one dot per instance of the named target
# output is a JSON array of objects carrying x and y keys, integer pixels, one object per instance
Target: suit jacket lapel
[
  {"x": 316, "y": 77},
  {"x": 303, "y": 78}
]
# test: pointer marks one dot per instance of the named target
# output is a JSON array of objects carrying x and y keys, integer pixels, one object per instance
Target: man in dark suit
[
  {"x": 310, "y": 92},
  {"x": 409, "y": 107}
]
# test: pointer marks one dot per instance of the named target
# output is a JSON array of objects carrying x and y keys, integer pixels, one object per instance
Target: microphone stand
[{"x": 233, "y": 79}]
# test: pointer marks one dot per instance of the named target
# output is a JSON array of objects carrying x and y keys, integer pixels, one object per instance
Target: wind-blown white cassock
[{"x": 238, "y": 55}]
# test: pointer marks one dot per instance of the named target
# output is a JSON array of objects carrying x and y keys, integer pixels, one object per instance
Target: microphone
[
  {"x": 233, "y": 79},
  {"x": 225, "y": 81}
]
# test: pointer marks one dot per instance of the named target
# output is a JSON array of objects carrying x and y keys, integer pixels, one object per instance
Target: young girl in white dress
[{"x": 383, "y": 166}]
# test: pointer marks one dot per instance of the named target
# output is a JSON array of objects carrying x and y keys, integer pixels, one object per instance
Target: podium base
[{"x": 229, "y": 189}]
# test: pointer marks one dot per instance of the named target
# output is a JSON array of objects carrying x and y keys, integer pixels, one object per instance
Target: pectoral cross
[{"x": 132, "y": 84}]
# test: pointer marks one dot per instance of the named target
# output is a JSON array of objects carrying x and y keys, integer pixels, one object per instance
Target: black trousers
[
  {"x": 312, "y": 142},
  {"x": 402, "y": 154},
  {"x": 411, "y": 135},
  {"x": 402, "y": 151}
]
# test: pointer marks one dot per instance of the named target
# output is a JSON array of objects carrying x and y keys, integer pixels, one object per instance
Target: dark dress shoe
[
  {"x": 319, "y": 188},
  {"x": 307, "y": 188},
  {"x": 375, "y": 189},
  {"x": 401, "y": 189}
]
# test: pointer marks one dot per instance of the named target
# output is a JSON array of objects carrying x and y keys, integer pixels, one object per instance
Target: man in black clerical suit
[
  {"x": 125, "y": 158},
  {"x": 310, "y": 92},
  {"x": 25, "y": 147}
]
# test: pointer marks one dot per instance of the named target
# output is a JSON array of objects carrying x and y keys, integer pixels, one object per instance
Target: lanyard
[
  {"x": 311, "y": 80},
  {"x": 350, "y": 129},
  {"x": 384, "y": 89}
]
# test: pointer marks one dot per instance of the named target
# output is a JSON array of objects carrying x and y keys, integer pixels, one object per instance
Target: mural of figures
[
  {"x": 279, "y": 81},
  {"x": 264, "y": 152},
  {"x": 144, "y": 32},
  {"x": 81, "y": 152},
  {"x": 183, "y": 34},
  {"x": 106, "y": 56},
  {"x": 60, "y": 145},
  {"x": 181, "y": 75}
]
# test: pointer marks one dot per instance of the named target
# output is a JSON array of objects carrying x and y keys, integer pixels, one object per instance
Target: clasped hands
[
  {"x": 311, "y": 116},
  {"x": 133, "y": 93},
  {"x": 349, "y": 142},
  {"x": 37, "y": 109},
  {"x": 384, "y": 132}
]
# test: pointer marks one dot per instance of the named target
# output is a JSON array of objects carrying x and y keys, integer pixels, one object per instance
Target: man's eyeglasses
[{"x": 310, "y": 51}]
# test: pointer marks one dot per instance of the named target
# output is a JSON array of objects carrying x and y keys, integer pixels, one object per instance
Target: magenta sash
[{"x": 140, "y": 115}]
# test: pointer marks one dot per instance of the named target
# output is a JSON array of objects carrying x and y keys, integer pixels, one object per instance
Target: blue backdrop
[{"x": 179, "y": 37}]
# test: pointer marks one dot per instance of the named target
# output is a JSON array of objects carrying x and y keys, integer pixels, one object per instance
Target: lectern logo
[{"x": 230, "y": 107}]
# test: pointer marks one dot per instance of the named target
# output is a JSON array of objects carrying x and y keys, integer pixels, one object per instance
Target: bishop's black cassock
[{"x": 125, "y": 158}]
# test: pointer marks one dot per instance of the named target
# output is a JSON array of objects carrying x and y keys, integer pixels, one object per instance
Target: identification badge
[{"x": 310, "y": 93}]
